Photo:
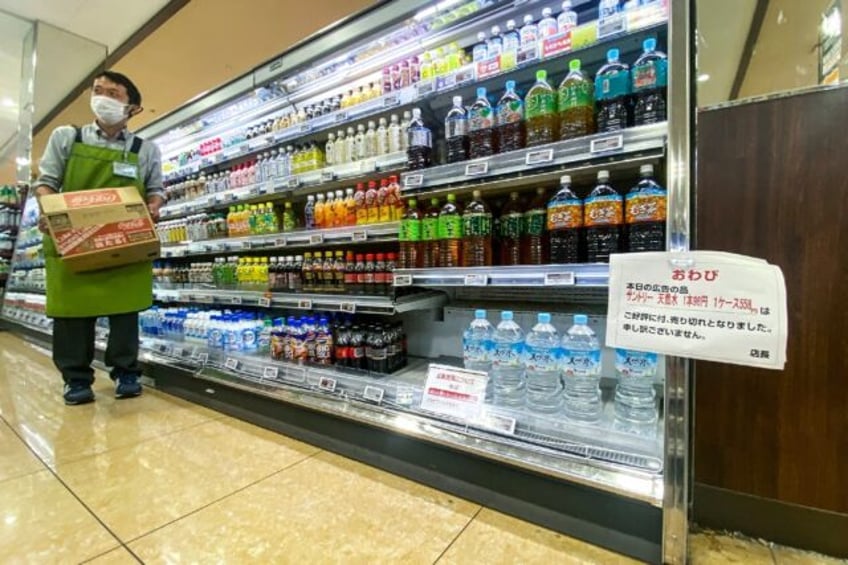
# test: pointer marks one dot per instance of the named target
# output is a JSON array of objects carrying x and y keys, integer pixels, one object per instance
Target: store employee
[{"x": 103, "y": 154}]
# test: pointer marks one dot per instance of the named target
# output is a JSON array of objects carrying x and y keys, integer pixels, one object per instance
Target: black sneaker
[
  {"x": 127, "y": 386},
  {"x": 77, "y": 392}
]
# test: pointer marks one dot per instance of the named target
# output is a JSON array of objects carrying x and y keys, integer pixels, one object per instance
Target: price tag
[
  {"x": 556, "y": 44},
  {"x": 341, "y": 117},
  {"x": 304, "y": 128},
  {"x": 611, "y": 25},
  {"x": 316, "y": 239},
  {"x": 496, "y": 422},
  {"x": 165, "y": 349},
  {"x": 304, "y": 304},
  {"x": 454, "y": 392},
  {"x": 539, "y": 156},
  {"x": 476, "y": 169},
  {"x": 246, "y": 245},
  {"x": 359, "y": 236},
  {"x": 327, "y": 384},
  {"x": 236, "y": 300},
  {"x": 231, "y": 363},
  {"x": 271, "y": 372},
  {"x": 402, "y": 280},
  {"x": 425, "y": 88},
  {"x": 179, "y": 352},
  {"x": 296, "y": 374},
  {"x": 265, "y": 302},
  {"x": 465, "y": 75},
  {"x": 349, "y": 307},
  {"x": 280, "y": 242},
  {"x": 328, "y": 176},
  {"x": 293, "y": 182},
  {"x": 607, "y": 144},
  {"x": 373, "y": 394},
  {"x": 390, "y": 100},
  {"x": 413, "y": 180},
  {"x": 267, "y": 187},
  {"x": 476, "y": 279},
  {"x": 565, "y": 278},
  {"x": 488, "y": 67}
]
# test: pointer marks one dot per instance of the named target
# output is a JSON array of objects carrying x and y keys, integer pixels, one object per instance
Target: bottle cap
[
  {"x": 510, "y": 24},
  {"x": 506, "y": 315},
  {"x": 451, "y": 198},
  {"x": 496, "y": 30},
  {"x": 480, "y": 314},
  {"x": 434, "y": 201},
  {"x": 574, "y": 64},
  {"x": 646, "y": 170},
  {"x": 528, "y": 19},
  {"x": 510, "y": 85},
  {"x": 581, "y": 319},
  {"x": 546, "y": 12},
  {"x": 476, "y": 194},
  {"x": 413, "y": 202},
  {"x": 481, "y": 36},
  {"x": 416, "y": 112},
  {"x": 613, "y": 55},
  {"x": 566, "y": 5},
  {"x": 481, "y": 92},
  {"x": 541, "y": 75},
  {"x": 565, "y": 179},
  {"x": 544, "y": 318},
  {"x": 457, "y": 100},
  {"x": 649, "y": 44}
]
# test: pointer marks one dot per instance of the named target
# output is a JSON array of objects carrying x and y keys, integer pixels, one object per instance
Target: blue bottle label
[
  {"x": 476, "y": 350},
  {"x": 635, "y": 363},
  {"x": 542, "y": 359},
  {"x": 649, "y": 75},
  {"x": 612, "y": 85},
  {"x": 507, "y": 355},
  {"x": 580, "y": 363}
]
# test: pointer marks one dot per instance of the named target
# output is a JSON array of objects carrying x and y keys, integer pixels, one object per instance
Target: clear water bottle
[
  {"x": 477, "y": 343},
  {"x": 581, "y": 368},
  {"x": 541, "y": 351},
  {"x": 635, "y": 397},
  {"x": 507, "y": 367}
]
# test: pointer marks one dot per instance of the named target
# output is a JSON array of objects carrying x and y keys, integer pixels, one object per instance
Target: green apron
[{"x": 119, "y": 290}]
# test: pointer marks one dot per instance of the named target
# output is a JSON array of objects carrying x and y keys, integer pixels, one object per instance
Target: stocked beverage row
[
  {"x": 550, "y": 374},
  {"x": 334, "y": 272},
  {"x": 559, "y": 229}
]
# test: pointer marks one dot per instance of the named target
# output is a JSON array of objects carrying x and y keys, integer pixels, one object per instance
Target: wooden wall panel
[{"x": 773, "y": 183}]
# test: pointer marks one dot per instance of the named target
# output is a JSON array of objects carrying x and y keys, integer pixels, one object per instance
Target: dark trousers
[{"x": 73, "y": 346}]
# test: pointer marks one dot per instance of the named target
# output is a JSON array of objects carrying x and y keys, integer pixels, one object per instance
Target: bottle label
[
  {"x": 420, "y": 137},
  {"x": 603, "y": 211},
  {"x": 612, "y": 85},
  {"x": 480, "y": 118},
  {"x": 580, "y": 363},
  {"x": 565, "y": 214},
  {"x": 577, "y": 94},
  {"x": 512, "y": 225},
  {"x": 542, "y": 359},
  {"x": 323, "y": 350},
  {"x": 450, "y": 227},
  {"x": 430, "y": 229},
  {"x": 653, "y": 74},
  {"x": 534, "y": 222},
  {"x": 478, "y": 224},
  {"x": 635, "y": 363},
  {"x": 540, "y": 104},
  {"x": 646, "y": 206},
  {"x": 510, "y": 112},
  {"x": 507, "y": 355},
  {"x": 476, "y": 350},
  {"x": 456, "y": 127}
]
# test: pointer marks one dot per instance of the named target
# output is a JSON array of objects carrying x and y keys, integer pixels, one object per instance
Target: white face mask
[{"x": 108, "y": 110}]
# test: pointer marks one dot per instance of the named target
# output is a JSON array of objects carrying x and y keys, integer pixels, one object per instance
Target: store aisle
[{"x": 158, "y": 479}]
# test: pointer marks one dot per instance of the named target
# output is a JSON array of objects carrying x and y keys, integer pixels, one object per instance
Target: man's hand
[
  {"x": 42, "y": 190},
  {"x": 153, "y": 205},
  {"x": 42, "y": 224}
]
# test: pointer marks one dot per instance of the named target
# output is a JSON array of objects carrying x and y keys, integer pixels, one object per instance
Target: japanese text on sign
[
  {"x": 704, "y": 305},
  {"x": 454, "y": 392}
]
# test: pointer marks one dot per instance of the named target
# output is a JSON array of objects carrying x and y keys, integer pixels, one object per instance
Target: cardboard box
[{"x": 99, "y": 229}]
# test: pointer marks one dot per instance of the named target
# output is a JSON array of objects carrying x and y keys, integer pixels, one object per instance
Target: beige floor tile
[
  {"x": 119, "y": 556},
  {"x": 494, "y": 538},
  {"x": 139, "y": 488},
  {"x": 709, "y": 548},
  {"x": 790, "y": 556},
  {"x": 44, "y": 523},
  {"x": 15, "y": 458},
  {"x": 324, "y": 510}
]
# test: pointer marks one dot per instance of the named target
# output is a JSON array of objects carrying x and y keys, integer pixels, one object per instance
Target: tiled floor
[{"x": 160, "y": 480}]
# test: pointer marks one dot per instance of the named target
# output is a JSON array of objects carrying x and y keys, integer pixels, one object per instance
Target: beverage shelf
[
  {"x": 517, "y": 276},
  {"x": 376, "y": 233},
  {"x": 587, "y": 154},
  {"x": 362, "y": 304}
]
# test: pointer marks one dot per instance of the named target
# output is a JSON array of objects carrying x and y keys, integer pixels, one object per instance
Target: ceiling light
[
  {"x": 8, "y": 102},
  {"x": 703, "y": 77}
]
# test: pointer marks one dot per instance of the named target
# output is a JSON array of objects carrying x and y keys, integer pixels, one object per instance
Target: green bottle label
[
  {"x": 478, "y": 224},
  {"x": 450, "y": 227},
  {"x": 534, "y": 222},
  {"x": 512, "y": 226},
  {"x": 540, "y": 104},
  {"x": 577, "y": 94},
  {"x": 430, "y": 229},
  {"x": 413, "y": 230}
]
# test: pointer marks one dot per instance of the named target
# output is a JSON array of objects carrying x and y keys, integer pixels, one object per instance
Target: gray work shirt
[{"x": 51, "y": 168}]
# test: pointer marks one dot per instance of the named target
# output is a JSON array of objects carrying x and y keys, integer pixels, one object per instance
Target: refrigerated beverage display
[
  {"x": 430, "y": 235},
  {"x": 396, "y": 206},
  {"x": 339, "y": 271},
  {"x": 481, "y": 123},
  {"x": 477, "y": 343},
  {"x": 360, "y": 274},
  {"x": 509, "y": 120},
  {"x": 529, "y": 32},
  {"x": 534, "y": 248},
  {"x": 541, "y": 363},
  {"x": 359, "y": 202},
  {"x": 329, "y": 153},
  {"x": 309, "y": 213},
  {"x": 612, "y": 90},
  {"x": 511, "y": 38},
  {"x": 420, "y": 142},
  {"x": 372, "y": 208},
  {"x": 450, "y": 234},
  {"x": 410, "y": 236},
  {"x": 645, "y": 214},
  {"x": 580, "y": 360},
  {"x": 540, "y": 111},
  {"x": 603, "y": 216},
  {"x": 307, "y": 273},
  {"x": 576, "y": 103},
  {"x": 339, "y": 209},
  {"x": 368, "y": 278},
  {"x": 650, "y": 76},
  {"x": 456, "y": 132},
  {"x": 507, "y": 372},
  {"x": 494, "y": 46},
  {"x": 382, "y": 137},
  {"x": 567, "y": 19},
  {"x": 635, "y": 397},
  {"x": 565, "y": 224},
  {"x": 477, "y": 233},
  {"x": 511, "y": 230},
  {"x": 350, "y": 273},
  {"x": 547, "y": 25},
  {"x": 480, "y": 51}
]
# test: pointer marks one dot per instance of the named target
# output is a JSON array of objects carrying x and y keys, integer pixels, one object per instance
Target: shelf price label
[
  {"x": 488, "y": 67},
  {"x": 402, "y": 280},
  {"x": 265, "y": 302},
  {"x": 178, "y": 352},
  {"x": 271, "y": 373},
  {"x": 359, "y": 236},
  {"x": 293, "y": 182},
  {"x": 341, "y": 117},
  {"x": 454, "y": 392},
  {"x": 304, "y": 304},
  {"x": 612, "y": 25},
  {"x": 539, "y": 157},
  {"x": 280, "y": 242},
  {"x": 349, "y": 307},
  {"x": 476, "y": 279},
  {"x": 425, "y": 88},
  {"x": 607, "y": 144},
  {"x": 202, "y": 359},
  {"x": 328, "y": 176},
  {"x": 373, "y": 394},
  {"x": 496, "y": 422},
  {"x": 304, "y": 128},
  {"x": 390, "y": 100},
  {"x": 413, "y": 180},
  {"x": 476, "y": 169},
  {"x": 316, "y": 239},
  {"x": 295, "y": 374},
  {"x": 565, "y": 278},
  {"x": 236, "y": 300},
  {"x": 327, "y": 384},
  {"x": 231, "y": 364},
  {"x": 556, "y": 44}
]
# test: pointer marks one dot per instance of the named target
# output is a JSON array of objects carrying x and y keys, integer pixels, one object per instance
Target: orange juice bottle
[
  {"x": 330, "y": 210},
  {"x": 359, "y": 200},
  {"x": 350, "y": 208},
  {"x": 339, "y": 210},
  {"x": 320, "y": 206},
  {"x": 383, "y": 204},
  {"x": 371, "y": 204}
]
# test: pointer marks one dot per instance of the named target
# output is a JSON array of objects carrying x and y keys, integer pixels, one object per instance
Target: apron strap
[{"x": 78, "y": 136}]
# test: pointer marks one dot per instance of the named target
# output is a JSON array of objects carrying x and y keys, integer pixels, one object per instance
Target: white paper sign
[
  {"x": 703, "y": 304},
  {"x": 454, "y": 392}
]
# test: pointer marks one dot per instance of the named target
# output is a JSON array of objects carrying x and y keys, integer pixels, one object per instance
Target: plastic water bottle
[
  {"x": 635, "y": 398},
  {"x": 477, "y": 343},
  {"x": 541, "y": 352},
  {"x": 581, "y": 367},
  {"x": 507, "y": 367}
]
